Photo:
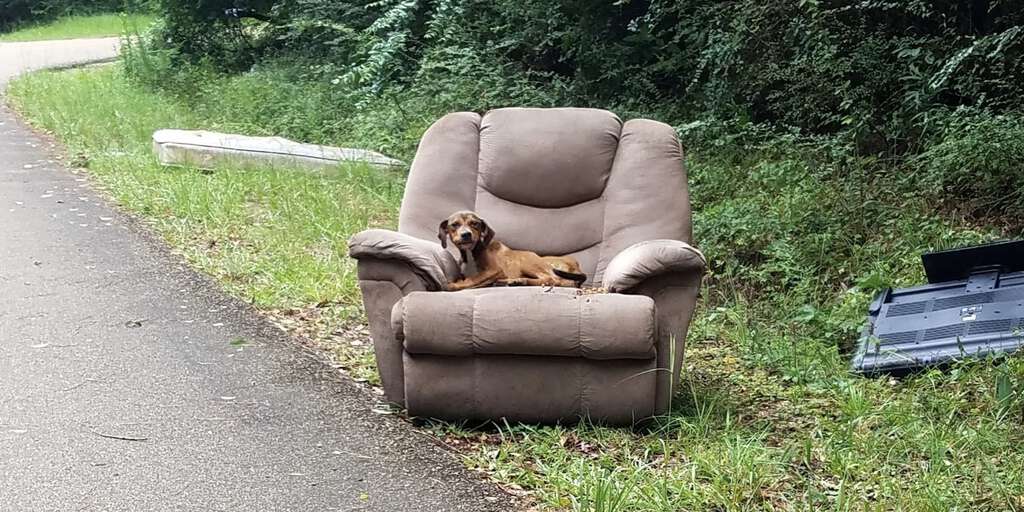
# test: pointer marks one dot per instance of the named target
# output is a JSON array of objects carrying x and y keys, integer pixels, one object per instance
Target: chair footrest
[
  {"x": 530, "y": 389},
  {"x": 532, "y": 321}
]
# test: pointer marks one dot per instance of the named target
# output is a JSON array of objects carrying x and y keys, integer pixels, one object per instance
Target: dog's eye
[{"x": 455, "y": 224}]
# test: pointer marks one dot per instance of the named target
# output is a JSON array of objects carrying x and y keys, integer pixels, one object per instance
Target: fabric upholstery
[
  {"x": 646, "y": 197},
  {"x": 547, "y": 158},
  {"x": 644, "y": 260},
  {"x": 443, "y": 175},
  {"x": 383, "y": 283},
  {"x": 675, "y": 296},
  {"x": 526, "y": 321},
  {"x": 561, "y": 181},
  {"x": 427, "y": 259},
  {"x": 550, "y": 231},
  {"x": 530, "y": 389}
]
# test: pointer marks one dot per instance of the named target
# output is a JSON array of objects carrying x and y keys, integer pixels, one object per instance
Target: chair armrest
[
  {"x": 642, "y": 261},
  {"x": 428, "y": 260},
  {"x": 670, "y": 272}
]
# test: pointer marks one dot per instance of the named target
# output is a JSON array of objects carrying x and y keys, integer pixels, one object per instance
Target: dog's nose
[{"x": 467, "y": 236}]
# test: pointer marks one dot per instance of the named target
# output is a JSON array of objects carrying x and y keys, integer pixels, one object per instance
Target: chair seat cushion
[{"x": 526, "y": 321}]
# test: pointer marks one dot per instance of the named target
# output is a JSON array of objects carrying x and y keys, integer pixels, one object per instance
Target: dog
[{"x": 497, "y": 264}]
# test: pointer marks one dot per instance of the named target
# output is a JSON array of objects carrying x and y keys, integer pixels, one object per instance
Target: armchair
[{"x": 567, "y": 181}]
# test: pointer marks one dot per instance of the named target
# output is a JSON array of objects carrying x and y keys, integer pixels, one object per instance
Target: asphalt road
[{"x": 129, "y": 382}]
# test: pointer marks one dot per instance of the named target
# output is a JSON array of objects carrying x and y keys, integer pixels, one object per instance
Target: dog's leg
[
  {"x": 519, "y": 281},
  {"x": 543, "y": 276},
  {"x": 539, "y": 281},
  {"x": 477, "y": 281}
]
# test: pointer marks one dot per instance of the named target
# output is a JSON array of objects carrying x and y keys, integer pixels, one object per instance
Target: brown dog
[{"x": 497, "y": 264}]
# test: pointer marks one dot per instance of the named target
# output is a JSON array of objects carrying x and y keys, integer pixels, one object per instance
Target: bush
[
  {"x": 820, "y": 66},
  {"x": 977, "y": 164}
]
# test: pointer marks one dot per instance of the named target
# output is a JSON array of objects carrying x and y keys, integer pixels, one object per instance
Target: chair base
[{"x": 530, "y": 389}]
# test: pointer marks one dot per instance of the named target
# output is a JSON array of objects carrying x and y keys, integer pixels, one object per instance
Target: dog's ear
[
  {"x": 442, "y": 233},
  {"x": 486, "y": 233}
]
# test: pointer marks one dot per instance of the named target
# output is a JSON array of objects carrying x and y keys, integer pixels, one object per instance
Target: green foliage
[
  {"x": 976, "y": 163},
  {"x": 202, "y": 28},
  {"x": 17, "y": 12},
  {"x": 872, "y": 69},
  {"x": 79, "y": 26}
]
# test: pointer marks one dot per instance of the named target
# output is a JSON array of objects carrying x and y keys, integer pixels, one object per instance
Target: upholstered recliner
[{"x": 567, "y": 181}]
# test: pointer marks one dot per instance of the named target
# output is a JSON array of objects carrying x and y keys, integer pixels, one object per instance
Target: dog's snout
[{"x": 466, "y": 235}]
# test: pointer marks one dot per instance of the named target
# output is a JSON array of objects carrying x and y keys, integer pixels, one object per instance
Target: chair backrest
[{"x": 563, "y": 181}]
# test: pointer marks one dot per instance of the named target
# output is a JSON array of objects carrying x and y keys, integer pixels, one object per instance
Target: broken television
[{"x": 972, "y": 307}]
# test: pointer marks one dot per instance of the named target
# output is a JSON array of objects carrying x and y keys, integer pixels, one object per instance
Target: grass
[
  {"x": 78, "y": 26},
  {"x": 767, "y": 417}
]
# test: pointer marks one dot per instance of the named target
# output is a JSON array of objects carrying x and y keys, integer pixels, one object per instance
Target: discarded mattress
[
  {"x": 207, "y": 150},
  {"x": 973, "y": 307}
]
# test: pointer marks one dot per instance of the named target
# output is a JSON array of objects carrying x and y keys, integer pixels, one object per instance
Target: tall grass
[{"x": 79, "y": 26}]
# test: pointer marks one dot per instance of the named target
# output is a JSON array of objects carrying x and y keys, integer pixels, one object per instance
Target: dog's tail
[{"x": 572, "y": 276}]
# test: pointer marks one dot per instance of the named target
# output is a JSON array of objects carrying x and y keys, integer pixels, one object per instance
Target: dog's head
[{"x": 466, "y": 230}]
